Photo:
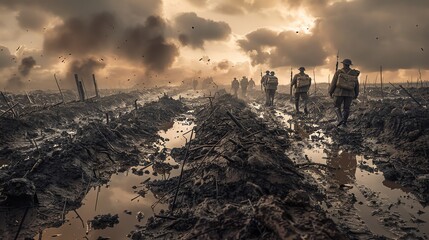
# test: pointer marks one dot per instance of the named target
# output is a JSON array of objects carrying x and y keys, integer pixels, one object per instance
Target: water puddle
[
  {"x": 384, "y": 206},
  {"x": 380, "y": 203},
  {"x": 121, "y": 194}
]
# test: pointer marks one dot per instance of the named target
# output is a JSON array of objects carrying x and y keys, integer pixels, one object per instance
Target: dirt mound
[{"x": 238, "y": 184}]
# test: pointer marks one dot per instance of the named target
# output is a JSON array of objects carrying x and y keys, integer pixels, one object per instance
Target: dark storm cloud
[
  {"x": 285, "y": 48},
  {"x": 391, "y": 33},
  {"x": 196, "y": 30},
  {"x": 146, "y": 43},
  {"x": 26, "y": 65},
  {"x": 15, "y": 82},
  {"x": 128, "y": 10},
  {"x": 80, "y": 37},
  {"x": 5, "y": 57},
  {"x": 32, "y": 19}
]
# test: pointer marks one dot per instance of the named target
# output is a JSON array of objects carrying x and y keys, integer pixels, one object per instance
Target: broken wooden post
[
  {"x": 315, "y": 84},
  {"x": 107, "y": 118},
  {"x": 364, "y": 85},
  {"x": 181, "y": 172},
  {"x": 79, "y": 88},
  {"x": 420, "y": 78},
  {"x": 59, "y": 88},
  {"x": 409, "y": 94},
  {"x": 235, "y": 120},
  {"x": 381, "y": 81},
  {"x": 97, "y": 94},
  {"x": 9, "y": 105},
  {"x": 135, "y": 108},
  {"x": 9, "y": 109},
  {"x": 28, "y": 97},
  {"x": 394, "y": 86}
]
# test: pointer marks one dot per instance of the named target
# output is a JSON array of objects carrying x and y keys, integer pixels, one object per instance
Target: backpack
[
  {"x": 346, "y": 81},
  {"x": 272, "y": 82},
  {"x": 303, "y": 81}
]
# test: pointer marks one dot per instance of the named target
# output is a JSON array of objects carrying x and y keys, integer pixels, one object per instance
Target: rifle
[
  {"x": 261, "y": 82},
  {"x": 291, "y": 78},
  {"x": 336, "y": 65}
]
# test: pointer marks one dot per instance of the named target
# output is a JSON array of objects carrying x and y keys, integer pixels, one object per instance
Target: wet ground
[
  {"x": 351, "y": 189},
  {"x": 121, "y": 194}
]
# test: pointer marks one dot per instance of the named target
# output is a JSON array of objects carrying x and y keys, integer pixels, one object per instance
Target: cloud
[
  {"x": 79, "y": 36},
  {"x": 285, "y": 48},
  {"x": 15, "y": 81},
  {"x": 223, "y": 65},
  {"x": 32, "y": 19},
  {"x": 391, "y": 33},
  {"x": 196, "y": 30},
  {"x": 146, "y": 43},
  {"x": 5, "y": 57},
  {"x": 26, "y": 65},
  {"x": 236, "y": 7}
]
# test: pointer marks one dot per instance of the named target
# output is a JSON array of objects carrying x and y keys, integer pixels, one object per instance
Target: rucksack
[
  {"x": 272, "y": 82},
  {"x": 346, "y": 80},
  {"x": 303, "y": 81}
]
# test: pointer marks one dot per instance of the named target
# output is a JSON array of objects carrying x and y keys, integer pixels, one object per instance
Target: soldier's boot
[
  {"x": 339, "y": 117},
  {"x": 345, "y": 117}
]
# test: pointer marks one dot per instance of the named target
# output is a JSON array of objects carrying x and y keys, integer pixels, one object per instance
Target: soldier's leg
[
  {"x": 305, "y": 99},
  {"x": 273, "y": 94},
  {"x": 267, "y": 97},
  {"x": 337, "y": 107},
  {"x": 346, "y": 113},
  {"x": 297, "y": 95}
]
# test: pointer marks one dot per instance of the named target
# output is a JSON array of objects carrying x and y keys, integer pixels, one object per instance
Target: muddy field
[{"x": 181, "y": 164}]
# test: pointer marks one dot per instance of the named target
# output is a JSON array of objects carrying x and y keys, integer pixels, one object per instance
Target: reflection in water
[
  {"x": 344, "y": 164},
  {"x": 125, "y": 194}
]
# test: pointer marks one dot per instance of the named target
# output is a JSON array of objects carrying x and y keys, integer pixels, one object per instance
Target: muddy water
[
  {"x": 383, "y": 205},
  {"x": 386, "y": 208},
  {"x": 119, "y": 197}
]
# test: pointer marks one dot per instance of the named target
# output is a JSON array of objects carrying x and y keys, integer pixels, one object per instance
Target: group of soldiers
[
  {"x": 343, "y": 88},
  {"x": 244, "y": 84}
]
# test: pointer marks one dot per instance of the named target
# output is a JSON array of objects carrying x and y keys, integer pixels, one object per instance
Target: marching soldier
[
  {"x": 235, "y": 85},
  {"x": 244, "y": 83},
  {"x": 302, "y": 83},
  {"x": 271, "y": 87},
  {"x": 344, "y": 88}
]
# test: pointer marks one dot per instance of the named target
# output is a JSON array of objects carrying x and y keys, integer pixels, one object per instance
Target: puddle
[
  {"x": 383, "y": 205},
  {"x": 119, "y": 196},
  {"x": 380, "y": 203}
]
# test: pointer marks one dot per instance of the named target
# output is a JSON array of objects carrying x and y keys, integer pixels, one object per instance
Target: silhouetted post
[
  {"x": 58, "y": 85},
  {"x": 420, "y": 78},
  {"x": 381, "y": 81},
  {"x": 28, "y": 97},
  {"x": 364, "y": 84},
  {"x": 79, "y": 88},
  {"x": 107, "y": 118},
  {"x": 95, "y": 86},
  {"x": 315, "y": 84}
]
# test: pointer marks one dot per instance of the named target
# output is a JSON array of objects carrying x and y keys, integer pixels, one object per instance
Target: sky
[{"x": 146, "y": 43}]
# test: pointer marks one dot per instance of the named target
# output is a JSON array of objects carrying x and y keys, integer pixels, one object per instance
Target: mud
[
  {"x": 66, "y": 149},
  {"x": 238, "y": 183}
]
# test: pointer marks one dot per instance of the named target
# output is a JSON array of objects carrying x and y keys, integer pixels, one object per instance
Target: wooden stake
[
  {"x": 409, "y": 94},
  {"x": 381, "y": 81},
  {"x": 315, "y": 84},
  {"x": 97, "y": 94},
  {"x": 59, "y": 88}
]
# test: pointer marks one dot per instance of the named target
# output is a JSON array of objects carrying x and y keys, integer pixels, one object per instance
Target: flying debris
[
  {"x": 376, "y": 38},
  {"x": 200, "y": 59},
  {"x": 422, "y": 49}
]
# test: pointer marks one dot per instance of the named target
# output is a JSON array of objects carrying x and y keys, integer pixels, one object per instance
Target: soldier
[
  {"x": 344, "y": 88},
  {"x": 235, "y": 85},
  {"x": 271, "y": 86},
  {"x": 251, "y": 85},
  {"x": 302, "y": 83},
  {"x": 264, "y": 79},
  {"x": 244, "y": 83}
]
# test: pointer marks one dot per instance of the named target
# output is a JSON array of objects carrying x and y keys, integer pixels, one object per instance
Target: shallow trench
[
  {"x": 120, "y": 195},
  {"x": 359, "y": 198}
]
